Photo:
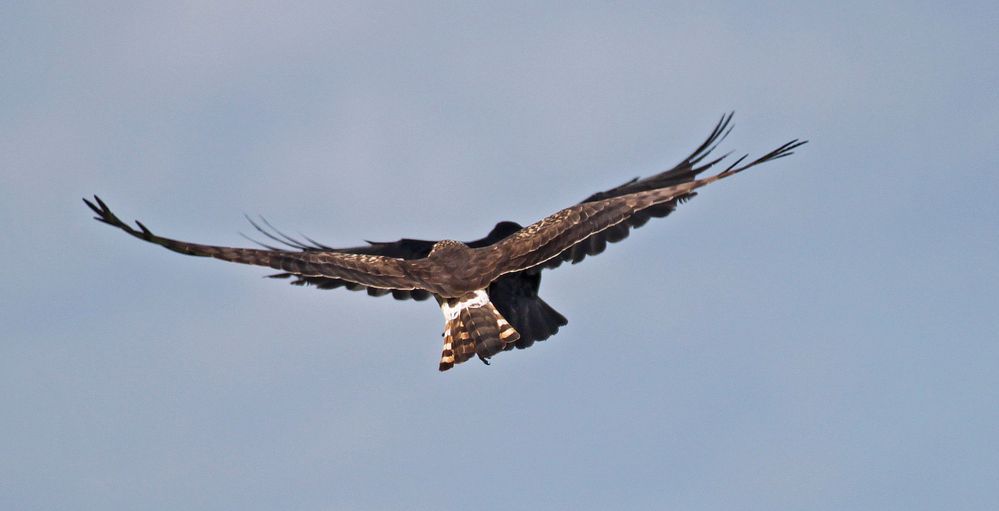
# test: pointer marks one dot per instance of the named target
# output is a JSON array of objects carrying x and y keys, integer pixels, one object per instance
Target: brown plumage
[
  {"x": 473, "y": 326},
  {"x": 465, "y": 278}
]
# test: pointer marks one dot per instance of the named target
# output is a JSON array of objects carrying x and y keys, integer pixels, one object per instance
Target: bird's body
[
  {"x": 447, "y": 272},
  {"x": 487, "y": 289}
]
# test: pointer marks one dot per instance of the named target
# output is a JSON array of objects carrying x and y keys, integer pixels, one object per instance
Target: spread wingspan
[
  {"x": 516, "y": 294},
  {"x": 487, "y": 288}
]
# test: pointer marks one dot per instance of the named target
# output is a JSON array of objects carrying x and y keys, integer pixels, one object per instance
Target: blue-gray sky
[{"x": 819, "y": 333}]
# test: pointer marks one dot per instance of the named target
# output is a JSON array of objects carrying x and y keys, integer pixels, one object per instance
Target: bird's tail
[
  {"x": 473, "y": 327},
  {"x": 532, "y": 317}
]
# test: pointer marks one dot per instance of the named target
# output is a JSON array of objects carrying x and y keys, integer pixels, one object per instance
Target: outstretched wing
[
  {"x": 363, "y": 269},
  {"x": 403, "y": 249},
  {"x": 547, "y": 239},
  {"x": 406, "y": 248},
  {"x": 684, "y": 172}
]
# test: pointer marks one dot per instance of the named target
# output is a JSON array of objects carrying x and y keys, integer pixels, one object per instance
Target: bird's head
[{"x": 446, "y": 247}]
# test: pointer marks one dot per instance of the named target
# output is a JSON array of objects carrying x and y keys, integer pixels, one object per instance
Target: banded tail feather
[{"x": 473, "y": 326}]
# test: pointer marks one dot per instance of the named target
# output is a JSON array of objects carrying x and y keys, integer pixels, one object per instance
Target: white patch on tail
[
  {"x": 473, "y": 327},
  {"x": 479, "y": 298}
]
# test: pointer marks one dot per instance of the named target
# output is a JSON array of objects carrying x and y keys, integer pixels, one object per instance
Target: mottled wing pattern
[
  {"x": 364, "y": 269},
  {"x": 403, "y": 249},
  {"x": 550, "y": 237},
  {"x": 685, "y": 171},
  {"x": 406, "y": 248}
]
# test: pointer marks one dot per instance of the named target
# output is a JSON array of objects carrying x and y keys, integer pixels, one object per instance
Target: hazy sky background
[{"x": 819, "y": 333}]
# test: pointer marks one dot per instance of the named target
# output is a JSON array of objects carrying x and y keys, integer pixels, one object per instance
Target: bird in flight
[{"x": 487, "y": 289}]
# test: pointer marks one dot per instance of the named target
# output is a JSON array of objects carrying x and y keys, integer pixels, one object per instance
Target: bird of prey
[{"x": 487, "y": 289}]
